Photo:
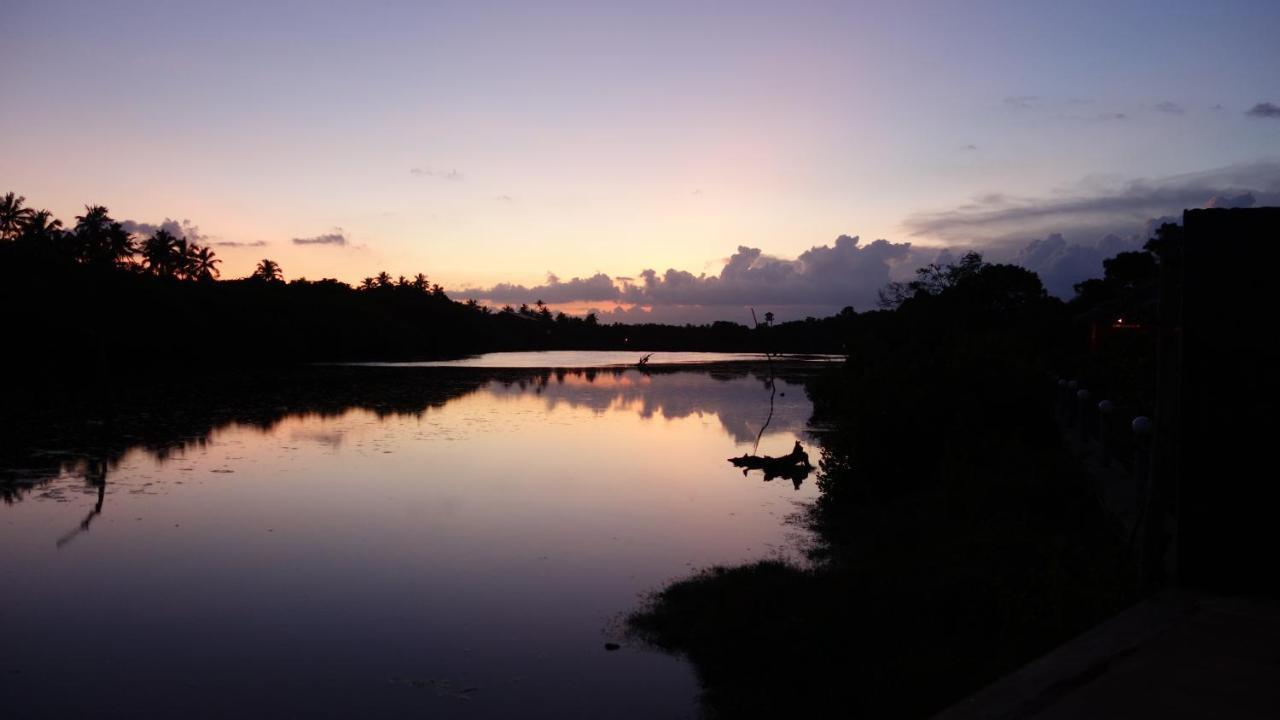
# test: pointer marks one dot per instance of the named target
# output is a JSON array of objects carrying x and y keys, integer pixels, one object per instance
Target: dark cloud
[
  {"x": 182, "y": 229},
  {"x": 1244, "y": 200},
  {"x": 598, "y": 287},
  {"x": 1095, "y": 212},
  {"x": 1264, "y": 110},
  {"x": 820, "y": 281},
  {"x": 233, "y": 243},
  {"x": 337, "y": 237},
  {"x": 1170, "y": 108},
  {"x": 1065, "y": 239},
  {"x": 442, "y": 174}
]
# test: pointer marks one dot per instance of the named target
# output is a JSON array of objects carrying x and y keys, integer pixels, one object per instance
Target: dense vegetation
[{"x": 956, "y": 537}]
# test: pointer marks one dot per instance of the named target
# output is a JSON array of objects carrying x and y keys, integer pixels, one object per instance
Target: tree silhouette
[
  {"x": 203, "y": 264},
  {"x": 268, "y": 271},
  {"x": 160, "y": 254},
  {"x": 42, "y": 229},
  {"x": 100, "y": 240},
  {"x": 13, "y": 216}
]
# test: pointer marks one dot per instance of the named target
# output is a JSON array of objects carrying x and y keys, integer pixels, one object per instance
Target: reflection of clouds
[
  {"x": 738, "y": 397},
  {"x": 740, "y": 400}
]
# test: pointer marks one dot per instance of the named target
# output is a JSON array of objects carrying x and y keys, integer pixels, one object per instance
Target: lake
[{"x": 441, "y": 542}]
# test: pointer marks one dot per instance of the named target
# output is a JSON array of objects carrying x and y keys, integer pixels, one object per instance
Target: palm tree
[
  {"x": 41, "y": 227},
  {"x": 182, "y": 259},
  {"x": 101, "y": 240},
  {"x": 203, "y": 265},
  {"x": 160, "y": 254},
  {"x": 420, "y": 282},
  {"x": 384, "y": 279},
  {"x": 13, "y": 216},
  {"x": 268, "y": 271},
  {"x": 367, "y": 284}
]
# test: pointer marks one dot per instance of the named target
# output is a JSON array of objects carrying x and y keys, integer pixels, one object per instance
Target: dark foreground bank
[{"x": 956, "y": 538}]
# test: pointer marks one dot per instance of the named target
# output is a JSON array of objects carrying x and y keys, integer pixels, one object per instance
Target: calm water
[
  {"x": 593, "y": 358},
  {"x": 464, "y": 558}
]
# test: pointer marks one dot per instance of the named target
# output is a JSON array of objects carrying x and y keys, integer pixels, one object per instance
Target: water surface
[
  {"x": 596, "y": 358},
  {"x": 465, "y": 557}
]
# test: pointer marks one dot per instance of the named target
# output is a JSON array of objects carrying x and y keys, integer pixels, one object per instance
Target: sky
[{"x": 668, "y": 161}]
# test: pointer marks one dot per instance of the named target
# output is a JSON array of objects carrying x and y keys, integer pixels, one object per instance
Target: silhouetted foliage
[
  {"x": 97, "y": 301},
  {"x": 955, "y": 536}
]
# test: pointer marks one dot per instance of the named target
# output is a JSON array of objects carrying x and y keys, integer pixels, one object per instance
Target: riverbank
[{"x": 956, "y": 539}]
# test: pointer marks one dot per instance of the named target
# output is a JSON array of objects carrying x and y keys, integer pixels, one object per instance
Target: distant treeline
[{"x": 95, "y": 298}]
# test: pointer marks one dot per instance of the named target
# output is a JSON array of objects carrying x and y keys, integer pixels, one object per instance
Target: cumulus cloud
[
  {"x": 337, "y": 237},
  {"x": 182, "y": 229},
  {"x": 1095, "y": 211},
  {"x": 821, "y": 280},
  {"x": 1264, "y": 110},
  {"x": 452, "y": 174},
  {"x": 598, "y": 287},
  {"x": 1061, "y": 264}
]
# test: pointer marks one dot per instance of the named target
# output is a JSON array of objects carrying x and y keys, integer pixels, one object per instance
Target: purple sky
[{"x": 495, "y": 144}]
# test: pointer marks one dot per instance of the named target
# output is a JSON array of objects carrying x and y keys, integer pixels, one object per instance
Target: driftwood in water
[{"x": 793, "y": 466}]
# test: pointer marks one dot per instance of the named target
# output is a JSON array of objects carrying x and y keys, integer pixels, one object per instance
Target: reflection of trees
[
  {"x": 95, "y": 475},
  {"x": 90, "y": 439}
]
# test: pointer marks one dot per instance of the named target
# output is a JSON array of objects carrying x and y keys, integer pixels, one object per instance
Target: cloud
[
  {"x": 1264, "y": 110},
  {"x": 182, "y": 229},
  {"x": 1021, "y": 102},
  {"x": 590, "y": 289},
  {"x": 233, "y": 243},
  {"x": 453, "y": 175},
  {"x": 337, "y": 237},
  {"x": 1094, "y": 211},
  {"x": 821, "y": 280},
  {"x": 1170, "y": 108},
  {"x": 1113, "y": 116},
  {"x": 1065, "y": 238},
  {"x": 1061, "y": 264},
  {"x": 1244, "y": 200}
]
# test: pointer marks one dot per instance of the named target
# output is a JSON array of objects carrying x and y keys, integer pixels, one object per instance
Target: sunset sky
[{"x": 496, "y": 143}]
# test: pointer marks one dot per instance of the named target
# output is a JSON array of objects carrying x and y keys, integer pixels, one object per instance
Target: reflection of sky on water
[
  {"x": 457, "y": 560},
  {"x": 740, "y": 401}
]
